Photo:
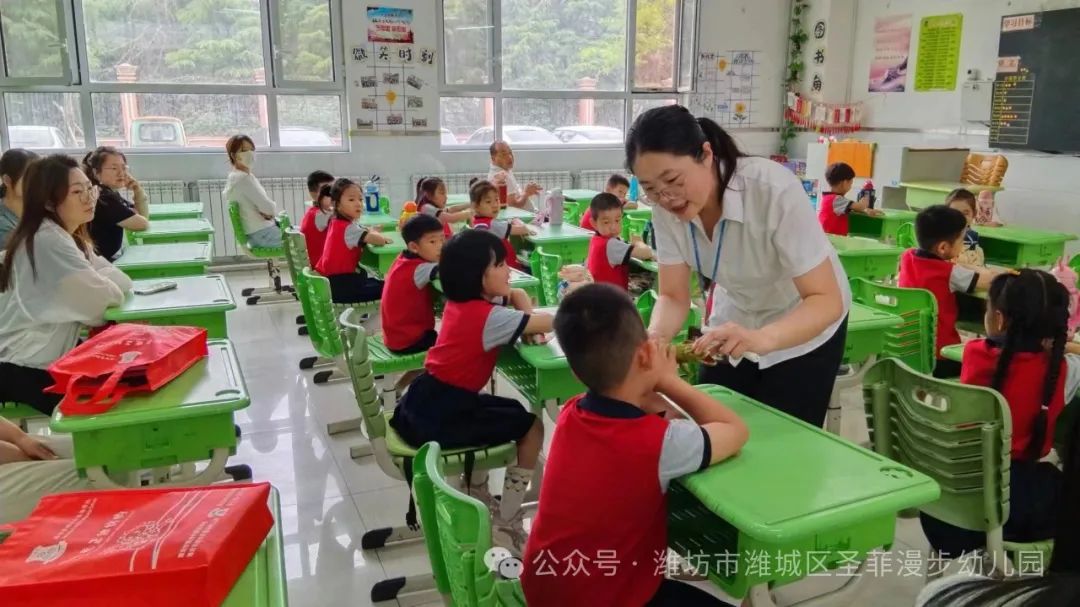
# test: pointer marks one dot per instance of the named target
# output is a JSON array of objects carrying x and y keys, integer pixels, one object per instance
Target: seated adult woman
[
  {"x": 51, "y": 281},
  {"x": 107, "y": 168},
  {"x": 13, "y": 165},
  {"x": 257, "y": 210}
]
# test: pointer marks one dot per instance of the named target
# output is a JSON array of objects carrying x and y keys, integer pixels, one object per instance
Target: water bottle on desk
[
  {"x": 867, "y": 191},
  {"x": 632, "y": 193},
  {"x": 371, "y": 195},
  {"x": 555, "y": 203}
]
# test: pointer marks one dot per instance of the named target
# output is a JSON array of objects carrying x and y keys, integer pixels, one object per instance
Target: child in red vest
[
  {"x": 609, "y": 256},
  {"x": 315, "y": 223},
  {"x": 939, "y": 230},
  {"x": 431, "y": 200},
  {"x": 445, "y": 403},
  {"x": 617, "y": 185},
  {"x": 1027, "y": 358},
  {"x": 964, "y": 201},
  {"x": 345, "y": 240},
  {"x": 484, "y": 197},
  {"x": 408, "y": 305},
  {"x": 613, "y": 455},
  {"x": 833, "y": 209}
]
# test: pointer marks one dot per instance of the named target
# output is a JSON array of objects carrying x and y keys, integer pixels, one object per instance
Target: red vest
[
  {"x": 601, "y": 269},
  {"x": 420, "y": 208},
  {"x": 458, "y": 357},
  {"x": 601, "y": 496},
  {"x": 932, "y": 274},
  {"x": 586, "y": 220},
  {"x": 511, "y": 254},
  {"x": 1022, "y": 389},
  {"x": 314, "y": 238},
  {"x": 830, "y": 221},
  {"x": 337, "y": 257},
  {"x": 407, "y": 312}
]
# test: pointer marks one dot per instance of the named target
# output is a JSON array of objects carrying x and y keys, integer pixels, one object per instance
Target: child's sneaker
[{"x": 509, "y": 534}]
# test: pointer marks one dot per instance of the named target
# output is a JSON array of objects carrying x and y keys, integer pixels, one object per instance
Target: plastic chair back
[
  {"x": 384, "y": 205},
  {"x": 635, "y": 226},
  {"x": 957, "y": 434},
  {"x": 984, "y": 169},
  {"x": 322, "y": 327},
  {"x": 238, "y": 226},
  {"x": 424, "y": 490},
  {"x": 357, "y": 359},
  {"x": 549, "y": 266},
  {"x": 913, "y": 341},
  {"x": 905, "y": 236},
  {"x": 645, "y": 304},
  {"x": 295, "y": 248}
]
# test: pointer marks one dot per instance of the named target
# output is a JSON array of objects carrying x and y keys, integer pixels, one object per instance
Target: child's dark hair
[
  {"x": 963, "y": 195},
  {"x": 465, "y": 258},
  {"x": 418, "y": 226},
  {"x": 338, "y": 190},
  {"x": 1036, "y": 310},
  {"x": 478, "y": 188},
  {"x": 603, "y": 202},
  {"x": 938, "y": 223},
  {"x": 599, "y": 329},
  {"x": 13, "y": 165},
  {"x": 315, "y": 180},
  {"x": 325, "y": 192},
  {"x": 425, "y": 190},
  {"x": 617, "y": 180},
  {"x": 839, "y": 172}
]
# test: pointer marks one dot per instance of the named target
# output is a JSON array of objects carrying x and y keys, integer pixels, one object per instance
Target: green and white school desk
[
  {"x": 865, "y": 340},
  {"x": 188, "y": 420},
  {"x": 197, "y": 301},
  {"x": 880, "y": 227},
  {"x": 176, "y": 210},
  {"x": 921, "y": 194},
  {"x": 378, "y": 259},
  {"x": 1019, "y": 247},
  {"x": 165, "y": 231},
  {"x": 818, "y": 501},
  {"x": 570, "y": 243},
  {"x": 262, "y": 584},
  {"x": 452, "y": 199},
  {"x": 511, "y": 213},
  {"x": 540, "y": 372},
  {"x": 585, "y": 196},
  {"x": 382, "y": 221},
  {"x": 649, "y": 265},
  {"x": 865, "y": 257},
  {"x": 165, "y": 260}
]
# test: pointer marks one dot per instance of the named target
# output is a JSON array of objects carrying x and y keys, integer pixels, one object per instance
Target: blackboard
[{"x": 1036, "y": 100}]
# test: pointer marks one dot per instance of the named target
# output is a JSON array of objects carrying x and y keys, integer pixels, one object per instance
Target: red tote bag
[
  {"x": 123, "y": 358},
  {"x": 137, "y": 547}
]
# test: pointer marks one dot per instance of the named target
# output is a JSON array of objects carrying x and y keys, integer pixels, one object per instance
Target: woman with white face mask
[{"x": 257, "y": 210}]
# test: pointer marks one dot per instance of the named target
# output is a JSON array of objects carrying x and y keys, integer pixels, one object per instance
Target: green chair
[
  {"x": 295, "y": 259},
  {"x": 325, "y": 338},
  {"x": 384, "y": 205},
  {"x": 276, "y": 292},
  {"x": 905, "y": 236},
  {"x": 458, "y": 536},
  {"x": 959, "y": 435},
  {"x": 548, "y": 266},
  {"x": 296, "y": 254},
  {"x": 634, "y": 226},
  {"x": 1074, "y": 263},
  {"x": 913, "y": 341},
  {"x": 396, "y": 458}
]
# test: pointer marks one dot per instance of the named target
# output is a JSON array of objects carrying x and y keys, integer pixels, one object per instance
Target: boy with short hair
[
  {"x": 612, "y": 457},
  {"x": 939, "y": 231},
  {"x": 408, "y": 305},
  {"x": 833, "y": 209},
  {"x": 618, "y": 186},
  {"x": 315, "y": 182},
  {"x": 609, "y": 255}
]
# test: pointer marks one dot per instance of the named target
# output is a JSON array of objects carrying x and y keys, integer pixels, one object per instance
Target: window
[
  {"x": 167, "y": 75},
  {"x": 559, "y": 73}
]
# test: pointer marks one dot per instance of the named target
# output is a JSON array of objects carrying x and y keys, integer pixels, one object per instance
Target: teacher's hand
[{"x": 733, "y": 340}]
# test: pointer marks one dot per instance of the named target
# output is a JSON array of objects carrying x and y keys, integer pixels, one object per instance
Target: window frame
[
  {"x": 69, "y": 61},
  {"x": 628, "y": 94},
  {"x": 81, "y": 84}
]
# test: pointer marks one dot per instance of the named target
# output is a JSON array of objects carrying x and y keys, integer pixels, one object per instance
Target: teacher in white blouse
[{"x": 777, "y": 296}]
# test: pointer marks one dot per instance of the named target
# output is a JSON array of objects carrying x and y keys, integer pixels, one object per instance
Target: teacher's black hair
[
  {"x": 464, "y": 260},
  {"x": 672, "y": 129}
]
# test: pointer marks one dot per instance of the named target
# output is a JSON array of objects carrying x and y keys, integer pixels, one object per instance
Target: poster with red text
[
  {"x": 892, "y": 49},
  {"x": 387, "y": 24}
]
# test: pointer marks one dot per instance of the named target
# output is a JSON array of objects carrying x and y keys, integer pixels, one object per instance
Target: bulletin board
[{"x": 727, "y": 87}]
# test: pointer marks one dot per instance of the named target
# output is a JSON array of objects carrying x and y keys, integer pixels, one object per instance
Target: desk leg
[
  {"x": 211, "y": 474},
  {"x": 834, "y": 416}
]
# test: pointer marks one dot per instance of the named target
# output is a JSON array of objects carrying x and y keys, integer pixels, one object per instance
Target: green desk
[
  {"x": 540, "y": 372},
  {"x": 880, "y": 227},
  {"x": 198, "y": 301},
  {"x": 866, "y": 258},
  {"x": 452, "y": 199},
  {"x": 794, "y": 490},
  {"x": 378, "y": 220},
  {"x": 585, "y": 196},
  {"x": 262, "y": 584},
  {"x": 642, "y": 212},
  {"x": 518, "y": 280},
  {"x": 971, "y": 311},
  {"x": 188, "y": 420},
  {"x": 176, "y": 210},
  {"x": 649, "y": 265},
  {"x": 866, "y": 334},
  {"x": 379, "y": 259},
  {"x": 165, "y": 260},
  {"x": 570, "y": 243},
  {"x": 511, "y": 213},
  {"x": 954, "y": 352},
  {"x": 1018, "y": 247},
  {"x": 921, "y": 194},
  {"x": 165, "y": 231}
]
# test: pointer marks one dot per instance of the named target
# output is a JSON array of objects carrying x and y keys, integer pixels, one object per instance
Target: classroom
[{"x": 539, "y": 302}]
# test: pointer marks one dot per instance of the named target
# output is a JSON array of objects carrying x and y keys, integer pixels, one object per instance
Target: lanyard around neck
[{"x": 716, "y": 260}]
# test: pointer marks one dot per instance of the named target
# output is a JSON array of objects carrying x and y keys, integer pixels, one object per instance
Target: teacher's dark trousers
[{"x": 800, "y": 387}]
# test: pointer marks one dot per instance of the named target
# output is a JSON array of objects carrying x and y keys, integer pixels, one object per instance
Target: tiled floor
[{"x": 328, "y": 500}]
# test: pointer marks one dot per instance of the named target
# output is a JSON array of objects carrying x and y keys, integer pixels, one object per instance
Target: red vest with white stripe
[
  {"x": 830, "y": 221},
  {"x": 313, "y": 237},
  {"x": 458, "y": 357},
  {"x": 407, "y": 312},
  {"x": 337, "y": 257},
  {"x": 932, "y": 274},
  {"x": 601, "y": 269}
]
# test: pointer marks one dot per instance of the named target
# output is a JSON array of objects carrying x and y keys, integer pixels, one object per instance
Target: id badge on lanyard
[{"x": 708, "y": 283}]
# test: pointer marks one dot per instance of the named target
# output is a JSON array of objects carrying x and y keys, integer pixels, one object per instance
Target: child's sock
[{"x": 514, "y": 487}]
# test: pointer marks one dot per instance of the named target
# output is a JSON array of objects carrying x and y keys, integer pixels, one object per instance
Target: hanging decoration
[
  {"x": 823, "y": 117},
  {"x": 795, "y": 67}
]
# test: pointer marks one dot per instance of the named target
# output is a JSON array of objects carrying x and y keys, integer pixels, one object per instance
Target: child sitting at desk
[
  {"x": 964, "y": 201},
  {"x": 609, "y": 255},
  {"x": 616, "y": 185},
  {"x": 408, "y": 308},
  {"x": 431, "y": 200},
  {"x": 939, "y": 231},
  {"x": 1024, "y": 357},
  {"x": 345, "y": 240},
  {"x": 445, "y": 404},
  {"x": 316, "y": 180},
  {"x": 315, "y": 222},
  {"x": 834, "y": 208},
  {"x": 484, "y": 197},
  {"x": 611, "y": 460}
]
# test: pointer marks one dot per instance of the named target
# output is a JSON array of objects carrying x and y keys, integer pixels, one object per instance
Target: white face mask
[{"x": 246, "y": 158}]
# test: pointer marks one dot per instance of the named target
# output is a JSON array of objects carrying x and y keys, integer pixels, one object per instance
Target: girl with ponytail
[
  {"x": 431, "y": 200},
  {"x": 743, "y": 224},
  {"x": 12, "y": 168}
]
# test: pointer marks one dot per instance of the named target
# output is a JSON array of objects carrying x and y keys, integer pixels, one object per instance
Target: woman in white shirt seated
[
  {"x": 257, "y": 210},
  {"x": 51, "y": 281}
]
